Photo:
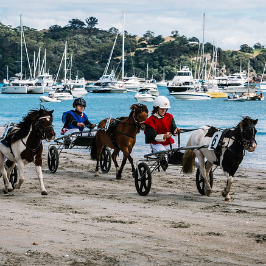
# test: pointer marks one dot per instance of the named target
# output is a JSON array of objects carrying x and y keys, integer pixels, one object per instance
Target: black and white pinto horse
[
  {"x": 228, "y": 154},
  {"x": 23, "y": 144}
]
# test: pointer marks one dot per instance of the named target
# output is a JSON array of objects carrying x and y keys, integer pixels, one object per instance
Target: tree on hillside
[
  {"x": 174, "y": 33},
  {"x": 113, "y": 30},
  {"x": 246, "y": 49},
  {"x": 91, "y": 22},
  {"x": 149, "y": 34},
  {"x": 258, "y": 46},
  {"x": 76, "y": 24}
]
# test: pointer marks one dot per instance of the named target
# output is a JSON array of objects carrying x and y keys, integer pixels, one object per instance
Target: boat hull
[
  {"x": 14, "y": 90},
  {"x": 191, "y": 96},
  {"x": 48, "y": 99}
]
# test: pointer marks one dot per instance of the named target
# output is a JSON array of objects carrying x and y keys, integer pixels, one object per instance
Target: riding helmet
[
  {"x": 162, "y": 102},
  {"x": 79, "y": 101}
]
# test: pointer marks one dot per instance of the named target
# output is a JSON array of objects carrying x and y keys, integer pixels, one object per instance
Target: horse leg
[
  {"x": 132, "y": 165},
  {"x": 40, "y": 176},
  {"x": 98, "y": 157},
  {"x": 119, "y": 173},
  {"x": 207, "y": 187},
  {"x": 227, "y": 188},
  {"x": 8, "y": 185},
  {"x": 114, "y": 156},
  {"x": 20, "y": 166}
]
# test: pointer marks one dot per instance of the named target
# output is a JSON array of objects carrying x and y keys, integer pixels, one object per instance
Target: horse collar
[{"x": 33, "y": 151}]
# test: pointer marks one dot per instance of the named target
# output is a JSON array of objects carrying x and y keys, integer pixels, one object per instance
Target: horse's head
[
  {"x": 43, "y": 124},
  {"x": 248, "y": 132},
  {"x": 140, "y": 113}
]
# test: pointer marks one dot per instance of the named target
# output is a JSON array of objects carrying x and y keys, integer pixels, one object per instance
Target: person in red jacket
[{"x": 160, "y": 127}]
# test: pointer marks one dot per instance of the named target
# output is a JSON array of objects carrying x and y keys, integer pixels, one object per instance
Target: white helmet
[{"x": 162, "y": 102}]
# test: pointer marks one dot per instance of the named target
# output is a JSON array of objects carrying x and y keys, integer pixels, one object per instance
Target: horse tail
[
  {"x": 188, "y": 161},
  {"x": 93, "y": 149}
]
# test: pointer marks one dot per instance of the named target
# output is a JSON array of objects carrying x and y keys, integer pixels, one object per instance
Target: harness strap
[{"x": 33, "y": 151}]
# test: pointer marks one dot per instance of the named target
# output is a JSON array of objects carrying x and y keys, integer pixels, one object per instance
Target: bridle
[
  {"x": 41, "y": 132},
  {"x": 247, "y": 143}
]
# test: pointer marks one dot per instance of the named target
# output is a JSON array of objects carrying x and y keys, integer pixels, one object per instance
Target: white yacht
[
  {"x": 182, "y": 81},
  {"x": 76, "y": 87},
  {"x": 144, "y": 95},
  {"x": 105, "y": 79},
  {"x": 17, "y": 86},
  {"x": 191, "y": 94},
  {"x": 132, "y": 83},
  {"x": 151, "y": 86},
  {"x": 44, "y": 83}
]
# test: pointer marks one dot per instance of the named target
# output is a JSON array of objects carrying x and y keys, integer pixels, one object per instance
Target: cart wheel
[
  {"x": 53, "y": 159},
  {"x": 143, "y": 179},
  {"x": 105, "y": 160},
  {"x": 200, "y": 181}
]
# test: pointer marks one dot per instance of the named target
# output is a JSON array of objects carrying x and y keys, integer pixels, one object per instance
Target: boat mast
[
  {"x": 123, "y": 47},
  {"x": 21, "y": 29},
  {"x": 65, "y": 54}
]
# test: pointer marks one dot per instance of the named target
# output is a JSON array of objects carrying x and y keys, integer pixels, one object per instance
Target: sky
[{"x": 228, "y": 23}]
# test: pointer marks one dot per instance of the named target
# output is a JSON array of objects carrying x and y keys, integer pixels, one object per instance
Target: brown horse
[{"x": 122, "y": 137}]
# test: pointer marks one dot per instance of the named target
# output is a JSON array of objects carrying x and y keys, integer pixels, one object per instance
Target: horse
[
  {"x": 23, "y": 144},
  {"x": 228, "y": 154},
  {"x": 121, "y": 136}
]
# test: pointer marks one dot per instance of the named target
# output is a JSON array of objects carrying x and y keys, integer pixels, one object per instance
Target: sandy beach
[{"x": 103, "y": 221}]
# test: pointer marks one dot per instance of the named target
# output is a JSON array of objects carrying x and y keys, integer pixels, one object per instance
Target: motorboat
[
  {"x": 61, "y": 94},
  {"x": 191, "y": 94},
  {"x": 216, "y": 92},
  {"x": 144, "y": 95},
  {"x": 103, "y": 81},
  {"x": 182, "y": 81},
  {"x": 237, "y": 98},
  {"x": 162, "y": 83},
  {"x": 251, "y": 96},
  {"x": 49, "y": 98},
  {"x": 152, "y": 86},
  {"x": 17, "y": 86},
  {"x": 44, "y": 83},
  {"x": 132, "y": 83}
]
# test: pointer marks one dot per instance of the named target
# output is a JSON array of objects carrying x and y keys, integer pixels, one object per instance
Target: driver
[
  {"x": 76, "y": 120},
  {"x": 160, "y": 127}
]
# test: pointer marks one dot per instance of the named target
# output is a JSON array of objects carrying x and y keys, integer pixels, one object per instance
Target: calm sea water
[{"x": 187, "y": 114}]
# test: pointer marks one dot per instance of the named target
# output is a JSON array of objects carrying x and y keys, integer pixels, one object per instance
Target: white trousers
[
  {"x": 160, "y": 147},
  {"x": 73, "y": 130}
]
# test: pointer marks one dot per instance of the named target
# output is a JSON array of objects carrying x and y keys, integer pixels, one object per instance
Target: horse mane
[
  {"x": 138, "y": 108},
  {"x": 24, "y": 125},
  {"x": 246, "y": 121}
]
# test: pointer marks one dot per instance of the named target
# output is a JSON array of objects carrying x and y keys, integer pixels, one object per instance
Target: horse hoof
[
  {"x": 227, "y": 199},
  {"x": 208, "y": 193},
  {"x": 118, "y": 177},
  {"x": 96, "y": 175},
  {"x": 10, "y": 189},
  {"x": 5, "y": 190},
  {"x": 44, "y": 193}
]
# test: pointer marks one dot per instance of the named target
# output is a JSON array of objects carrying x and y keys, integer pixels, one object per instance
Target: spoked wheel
[
  {"x": 105, "y": 160},
  {"x": 200, "y": 181},
  {"x": 143, "y": 179},
  {"x": 53, "y": 159}
]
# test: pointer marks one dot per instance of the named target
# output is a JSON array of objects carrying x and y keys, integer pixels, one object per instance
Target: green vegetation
[{"x": 91, "y": 47}]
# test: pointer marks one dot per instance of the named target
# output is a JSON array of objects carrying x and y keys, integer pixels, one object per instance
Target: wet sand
[{"x": 103, "y": 221}]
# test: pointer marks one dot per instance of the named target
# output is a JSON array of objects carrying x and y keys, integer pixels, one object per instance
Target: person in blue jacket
[{"x": 76, "y": 120}]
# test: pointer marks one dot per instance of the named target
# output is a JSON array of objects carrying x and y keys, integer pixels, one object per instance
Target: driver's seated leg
[{"x": 162, "y": 157}]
